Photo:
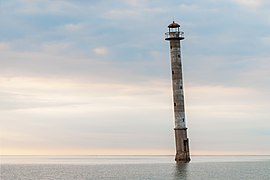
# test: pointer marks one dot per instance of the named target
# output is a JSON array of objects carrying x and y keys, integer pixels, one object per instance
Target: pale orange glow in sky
[{"x": 91, "y": 151}]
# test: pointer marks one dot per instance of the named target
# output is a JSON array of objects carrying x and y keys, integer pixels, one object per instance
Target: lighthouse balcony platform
[{"x": 174, "y": 35}]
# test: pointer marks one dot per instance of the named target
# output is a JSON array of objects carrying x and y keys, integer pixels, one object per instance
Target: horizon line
[{"x": 132, "y": 155}]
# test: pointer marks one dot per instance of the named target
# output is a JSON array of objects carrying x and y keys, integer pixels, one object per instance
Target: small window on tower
[
  {"x": 174, "y": 104},
  {"x": 172, "y": 72},
  {"x": 178, "y": 55},
  {"x": 171, "y": 47},
  {"x": 181, "y": 87}
]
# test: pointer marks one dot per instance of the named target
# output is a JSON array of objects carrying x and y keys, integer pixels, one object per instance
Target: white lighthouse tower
[{"x": 182, "y": 144}]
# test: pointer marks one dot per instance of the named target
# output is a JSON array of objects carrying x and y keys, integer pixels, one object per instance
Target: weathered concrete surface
[
  {"x": 182, "y": 146},
  {"x": 182, "y": 143}
]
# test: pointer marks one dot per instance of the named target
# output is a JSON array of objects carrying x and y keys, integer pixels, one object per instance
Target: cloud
[
  {"x": 216, "y": 110},
  {"x": 101, "y": 51},
  {"x": 135, "y": 2},
  {"x": 134, "y": 10},
  {"x": 266, "y": 40},
  {"x": 89, "y": 111},
  {"x": 4, "y": 46},
  {"x": 38, "y": 92},
  {"x": 252, "y": 4},
  {"x": 73, "y": 27},
  {"x": 55, "y": 47},
  {"x": 41, "y": 7},
  {"x": 121, "y": 14}
]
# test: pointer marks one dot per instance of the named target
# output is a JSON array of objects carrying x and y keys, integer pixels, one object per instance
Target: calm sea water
[{"x": 134, "y": 167}]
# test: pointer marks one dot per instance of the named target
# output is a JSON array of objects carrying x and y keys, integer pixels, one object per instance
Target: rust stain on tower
[{"x": 182, "y": 144}]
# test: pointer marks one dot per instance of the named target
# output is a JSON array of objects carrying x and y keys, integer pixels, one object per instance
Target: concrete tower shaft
[
  {"x": 177, "y": 84},
  {"x": 182, "y": 145}
]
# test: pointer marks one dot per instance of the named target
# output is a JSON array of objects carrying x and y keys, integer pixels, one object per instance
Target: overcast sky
[{"x": 93, "y": 77}]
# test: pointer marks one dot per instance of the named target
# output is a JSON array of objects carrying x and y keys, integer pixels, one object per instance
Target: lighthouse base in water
[
  {"x": 182, "y": 147},
  {"x": 174, "y": 35}
]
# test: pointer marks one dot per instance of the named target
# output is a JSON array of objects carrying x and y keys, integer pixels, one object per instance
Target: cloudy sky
[{"x": 93, "y": 77}]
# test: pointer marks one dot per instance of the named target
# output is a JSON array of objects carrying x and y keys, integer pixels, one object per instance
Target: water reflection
[{"x": 181, "y": 171}]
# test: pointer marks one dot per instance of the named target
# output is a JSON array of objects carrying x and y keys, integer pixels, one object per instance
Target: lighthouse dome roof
[{"x": 173, "y": 25}]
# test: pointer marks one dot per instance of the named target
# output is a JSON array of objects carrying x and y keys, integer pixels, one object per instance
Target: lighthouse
[{"x": 174, "y": 35}]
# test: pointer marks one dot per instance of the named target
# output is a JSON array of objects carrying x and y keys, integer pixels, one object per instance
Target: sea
[{"x": 134, "y": 168}]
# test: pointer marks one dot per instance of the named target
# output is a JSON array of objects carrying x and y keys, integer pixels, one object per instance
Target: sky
[{"x": 93, "y": 77}]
